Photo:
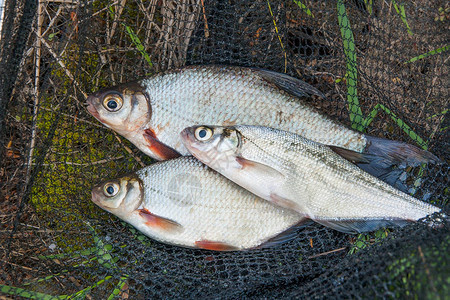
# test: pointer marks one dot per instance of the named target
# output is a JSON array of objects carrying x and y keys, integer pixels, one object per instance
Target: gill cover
[
  {"x": 216, "y": 146},
  {"x": 120, "y": 196},
  {"x": 123, "y": 108}
]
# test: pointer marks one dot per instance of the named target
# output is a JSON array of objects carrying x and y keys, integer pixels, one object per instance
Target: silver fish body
[
  {"x": 216, "y": 95},
  {"x": 182, "y": 202},
  {"x": 303, "y": 175},
  {"x": 151, "y": 113},
  {"x": 235, "y": 95}
]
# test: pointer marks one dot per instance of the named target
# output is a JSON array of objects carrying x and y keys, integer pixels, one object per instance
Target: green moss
[
  {"x": 68, "y": 172},
  {"x": 423, "y": 269}
]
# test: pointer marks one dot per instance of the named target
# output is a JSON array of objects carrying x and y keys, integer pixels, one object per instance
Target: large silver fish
[
  {"x": 303, "y": 175},
  {"x": 151, "y": 113},
  {"x": 183, "y": 202}
]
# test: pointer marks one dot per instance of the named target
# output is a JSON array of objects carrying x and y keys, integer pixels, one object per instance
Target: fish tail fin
[
  {"x": 398, "y": 153},
  {"x": 387, "y": 159}
]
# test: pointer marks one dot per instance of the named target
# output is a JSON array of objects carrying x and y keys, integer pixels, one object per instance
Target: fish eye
[
  {"x": 112, "y": 102},
  {"x": 203, "y": 133},
  {"x": 111, "y": 189}
]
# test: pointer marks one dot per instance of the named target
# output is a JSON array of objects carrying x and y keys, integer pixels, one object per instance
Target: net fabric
[{"x": 56, "y": 242}]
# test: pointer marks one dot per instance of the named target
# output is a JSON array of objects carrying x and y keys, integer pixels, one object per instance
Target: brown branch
[
  {"x": 129, "y": 150},
  {"x": 427, "y": 270},
  {"x": 63, "y": 66},
  {"x": 328, "y": 252}
]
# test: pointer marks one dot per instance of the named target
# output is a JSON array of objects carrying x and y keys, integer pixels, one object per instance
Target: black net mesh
[{"x": 385, "y": 62}]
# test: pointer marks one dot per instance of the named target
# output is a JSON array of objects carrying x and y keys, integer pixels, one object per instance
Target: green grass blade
[
  {"x": 119, "y": 287},
  {"x": 405, "y": 127},
  {"x": 439, "y": 114},
  {"x": 356, "y": 116},
  {"x": 137, "y": 42},
  {"x": 304, "y": 8},
  {"x": 369, "y": 5},
  {"x": 278, "y": 34},
  {"x": 74, "y": 254},
  {"x": 432, "y": 52},
  {"x": 83, "y": 292},
  {"x": 15, "y": 291},
  {"x": 134, "y": 38},
  {"x": 400, "y": 9}
]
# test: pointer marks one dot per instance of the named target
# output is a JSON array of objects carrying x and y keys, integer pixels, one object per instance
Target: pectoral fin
[
  {"x": 159, "y": 222},
  {"x": 259, "y": 168},
  {"x": 286, "y": 203},
  {"x": 358, "y": 226},
  {"x": 215, "y": 246},
  {"x": 159, "y": 149}
]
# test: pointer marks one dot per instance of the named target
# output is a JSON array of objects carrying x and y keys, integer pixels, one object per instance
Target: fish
[
  {"x": 182, "y": 202},
  {"x": 151, "y": 112},
  {"x": 305, "y": 176}
]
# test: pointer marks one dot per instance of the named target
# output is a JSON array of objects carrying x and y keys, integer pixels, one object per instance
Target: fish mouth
[
  {"x": 187, "y": 137},
  {"x": 192, "y": 145},
  {"x": 95, "y": 195},
  {"x": 91, "y": 108}
]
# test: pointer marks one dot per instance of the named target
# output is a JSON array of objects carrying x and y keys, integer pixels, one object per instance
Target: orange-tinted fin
[
  {"x": 286, "y": 203},
  {"x": 161, "y": 150},
  {"x": 215, "y": 246},
  {"x": 287, "y": 235},
  {"x": 159, "y": 222}
]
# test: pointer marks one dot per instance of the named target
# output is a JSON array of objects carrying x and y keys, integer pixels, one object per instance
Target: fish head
[
  {"x": 124, "y": 108},
  {"x": 215, "y": 146},
  {"x": 119, "y": 196}
]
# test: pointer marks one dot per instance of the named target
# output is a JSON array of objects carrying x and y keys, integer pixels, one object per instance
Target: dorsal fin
[
  {"x": 291, "y": 85},
  {"x": 352, "y": 156}
]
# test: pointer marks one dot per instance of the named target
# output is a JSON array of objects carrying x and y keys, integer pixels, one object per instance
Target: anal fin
[
  {"x": 161, "y": 150},
  {"x": 285, "y": 236},
  {"x": 162, "y": 223},
  {"x": 358, "y": 226},
  {"x": 215, "y": 246}
]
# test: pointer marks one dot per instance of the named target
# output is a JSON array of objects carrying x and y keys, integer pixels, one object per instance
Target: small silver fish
[
  {"x": 151, "y": 112},
  {"x": 182, "y": 202},
  {"x": 308, "y": 177}
]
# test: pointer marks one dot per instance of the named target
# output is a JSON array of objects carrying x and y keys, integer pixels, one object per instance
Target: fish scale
[
  {"x": 151, "y": 113},
  {"x": 330, "y": 173},
  {"x": 303, "y": 175},
  {"x": 206, "y": 205},
  {"x": 241, "y": 97}
]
